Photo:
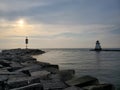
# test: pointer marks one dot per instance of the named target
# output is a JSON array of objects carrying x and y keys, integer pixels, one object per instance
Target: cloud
[
  {"x": 63, "y": 11},
  {"x": 50, "y": 30},
  {"x": 70, "y": 22},
  {"x": 20, "y": 5}
]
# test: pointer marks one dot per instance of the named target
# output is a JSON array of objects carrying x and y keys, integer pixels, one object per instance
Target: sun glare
[{"x": 21, "y": 22}]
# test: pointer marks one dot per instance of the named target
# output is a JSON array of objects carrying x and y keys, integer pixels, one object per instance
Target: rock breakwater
[{"x": 20, "y": 71}]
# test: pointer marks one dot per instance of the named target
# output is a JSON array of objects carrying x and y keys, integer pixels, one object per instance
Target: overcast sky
[{"x": 59, "y": 23}]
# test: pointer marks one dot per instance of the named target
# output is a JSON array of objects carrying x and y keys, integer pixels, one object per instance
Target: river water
[{"x": 103, "y": 65}]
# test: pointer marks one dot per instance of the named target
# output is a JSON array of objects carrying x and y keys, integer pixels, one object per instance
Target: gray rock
[
  {"x": 15, "y": 66},
  {"x": 100, "y": 87},
  {"x": 40, "y": 74},
  {"x": 4, "y": 63},
  {"x": 51, "y": 70},
  {"x": 3, "y": 70},
  {"x": 3, "y": 80},
  {"x": 51, "y": 66},
  {"x": 10, "y": 73},
  {"x": 26, "y": 58},
  {"x": 1, "y": 87},
  {"x": 27, "y": 72},
  {"x": 17, "y": 82},
  {"x": 54, "y": 76},
  {"x": 83, "y": 81},
  {"x": 53, "y": 84},
  {"x": 1, "y": 66},
  {"x": 63, "y": 75},
  {"x": 66, "y": 74},
  {"x": 73, "y": 88},
  {"x": 30, "y": 68},
  {"x": 36, "y": 86}
]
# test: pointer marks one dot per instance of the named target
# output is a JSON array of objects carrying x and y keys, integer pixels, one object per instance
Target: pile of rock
[{"x": 20, "y": 71}]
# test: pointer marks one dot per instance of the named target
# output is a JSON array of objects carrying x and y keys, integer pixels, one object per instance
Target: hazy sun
[{"x": 21, "y": 22}]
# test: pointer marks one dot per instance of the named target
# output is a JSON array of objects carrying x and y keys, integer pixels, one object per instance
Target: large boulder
[
  {"x": 73, "y": 88},
  {"x": 17, "y": 82},
  {"x": 5, "y": 63},
  {"x": 51, "y": 68},
  {"x": 15, "y": 66},
  {"x": 66, "y": 74},
  {"x": 31, "y": 63},
  {"x": 53, "y": 84},
  {"x": 3, "y": 80},
  {"x": 30, "y": 68},
  {"x": 35, "y": 86},
  {"x": 83, "y": 81},
  {"x": 1, "y": 66},
  {"x": 63, "y": 75},
  {"x": 100, "y": 87},
  {"x": 41, "y": 74}
]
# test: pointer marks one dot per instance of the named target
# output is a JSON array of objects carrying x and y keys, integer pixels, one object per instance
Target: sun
[{"x": 21, "y": 22}]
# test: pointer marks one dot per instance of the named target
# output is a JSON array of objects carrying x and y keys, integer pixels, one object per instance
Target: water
[{"x": 103, "y": 65}]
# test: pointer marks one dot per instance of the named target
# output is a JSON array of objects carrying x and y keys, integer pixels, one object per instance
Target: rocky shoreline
[{"x": 20, "y": 71}]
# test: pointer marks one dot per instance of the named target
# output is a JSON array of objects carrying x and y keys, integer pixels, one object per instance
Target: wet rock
[
  {"x": 54, "y": 76},
  {"x": 51, "y": 66},
  {"x": 11, "y": 69},
  {"x": 73, "y": 88},
  {"x": 63, "y": 75},
  {"x": 15, "y": 66},
  {"x": 26, "y": 58},
  {"x": 4, "y": 63},
  {"x": 3, "y": 80},
  {"x": 51, "y": 70},
  {"x": 18, "y": 75},
  {"x": 30, "y": 68},
  {"x": 27, "y": 72},
  {"x": 66, "y": 74},
  {"x": 1, "y": 66},
  {"x": 53, "y": 84},
  {"x": 43, "y": 64},
  {"x": 28, "y": 63},
  {"x": 36, "y": 86},
  {"x": 100, "y": 87},
  {"x": 40, "y": 74},
  {"x": 4, "y": 72},
  {"x": 17, "y": 82},
  {"x": 34, "y": 63},
  {"x": 83, "y": 81}
]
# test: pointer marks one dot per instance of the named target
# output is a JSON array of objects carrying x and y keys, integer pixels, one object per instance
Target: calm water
[{"x": 103, "y": 65}]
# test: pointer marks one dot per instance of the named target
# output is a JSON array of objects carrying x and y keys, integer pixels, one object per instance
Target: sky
[{"x": 59, "y": 23}]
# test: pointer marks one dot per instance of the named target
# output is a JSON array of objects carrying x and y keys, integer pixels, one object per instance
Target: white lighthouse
[{"x": 98, "y": 47}]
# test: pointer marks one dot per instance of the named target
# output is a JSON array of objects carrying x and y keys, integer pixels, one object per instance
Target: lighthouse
[
  {"x": 26, "y": 42},
  {"x": 97, "y": 46}
]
